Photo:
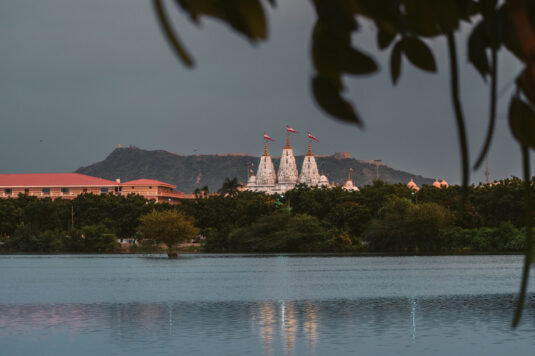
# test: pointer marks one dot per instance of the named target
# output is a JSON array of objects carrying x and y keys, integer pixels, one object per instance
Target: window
[
  {"x": 85, "y": 190},
  {"x": 65, "y": 190},
  {"x": 46, "y": 190},
  {"x": 103, "y": 190},
  {"x": 150, "y": 187},
  {"x": 26, "y": 190},
  {"x": 8, "y": 191}
]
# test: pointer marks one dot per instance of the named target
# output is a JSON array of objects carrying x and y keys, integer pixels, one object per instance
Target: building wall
[
  {"x": 54, "y": 192},
  {"x": 160, "y": 194}
]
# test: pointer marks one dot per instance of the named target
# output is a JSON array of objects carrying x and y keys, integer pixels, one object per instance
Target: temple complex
[{"x": 266, "y": 179}]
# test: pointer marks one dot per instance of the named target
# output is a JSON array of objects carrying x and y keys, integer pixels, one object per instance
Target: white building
[{"x": 266, "y": 180}]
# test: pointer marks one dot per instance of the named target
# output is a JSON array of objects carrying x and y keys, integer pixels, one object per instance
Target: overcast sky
[{"x": 77, "y": 78}]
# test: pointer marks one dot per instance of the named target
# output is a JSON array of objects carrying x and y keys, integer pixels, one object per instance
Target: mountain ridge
[{"x": 188, "y": 172}]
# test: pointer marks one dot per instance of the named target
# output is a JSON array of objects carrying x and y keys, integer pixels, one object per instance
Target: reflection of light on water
[
  {"x": 413, "y": 316},
  {"x": 310, "y": 326},
  {"x": 265, "y": 321},
  {"x": 170, "y": 307},
  {"x": 289, "y": 326}
]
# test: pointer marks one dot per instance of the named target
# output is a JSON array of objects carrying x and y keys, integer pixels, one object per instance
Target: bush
[{"x": 285, "y": 233}]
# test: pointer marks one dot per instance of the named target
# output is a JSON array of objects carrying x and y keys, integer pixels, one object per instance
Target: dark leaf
[
  {"x": 477, "y": 45},
  {"x": 333, "y": 55},
  {"x": 419, "y": 54},
  {"x": 169, "y": 33},
  {"x": 384, "y": 38},
  {"x": 522, "y": 122},
  {"x": 523, "y": 82},
  {"x": 328, "y": 98},
  {"x": 395, "y": 62},
  {"x": 509, "y": 37},
  {"x": 245, "y": 16}
]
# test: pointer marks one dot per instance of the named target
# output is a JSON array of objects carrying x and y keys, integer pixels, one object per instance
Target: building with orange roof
[
  {"x": 152, "y": 189},
  {"x": 70, "y": 185}
]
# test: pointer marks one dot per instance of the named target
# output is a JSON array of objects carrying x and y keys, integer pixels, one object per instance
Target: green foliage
[
  {"x": 230, "y": 187},
  {"x": 284, "y": 233},
  {"x": 388, "y": 217},
  {"x": 98, "y": 238},
  {"x": 405, "y": 227},
  {"x": 169, "y": 227}
]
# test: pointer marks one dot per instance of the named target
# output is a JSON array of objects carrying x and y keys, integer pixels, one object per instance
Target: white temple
[
  {"x": 288, "y": 175},
  {"x": 348, "y": 185},
  {"x": 266, "y": 180}
]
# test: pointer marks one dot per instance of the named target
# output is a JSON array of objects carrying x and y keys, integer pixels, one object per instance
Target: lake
[{"x": 262, "y": 305}]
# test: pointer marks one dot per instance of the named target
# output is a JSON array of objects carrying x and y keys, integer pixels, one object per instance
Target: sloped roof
[
  {"x": 149, "y": 182},
  {"x": 52, "y": 180}
]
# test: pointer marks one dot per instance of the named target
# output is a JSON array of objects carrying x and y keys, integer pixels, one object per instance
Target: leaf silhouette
[
  {"x": 522, "y": 122},
  {"x": 329, "y": 99},
  {"x": 419, "y": 54},
  {"x": 395, "y": 62}
]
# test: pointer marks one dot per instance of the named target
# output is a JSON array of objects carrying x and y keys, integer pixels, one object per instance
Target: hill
[{"x": 190, "y": 172}]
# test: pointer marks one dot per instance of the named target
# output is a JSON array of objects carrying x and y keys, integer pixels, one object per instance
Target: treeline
[
  {"x": 89, "y": 223},
  {"x": 379, "y": 218}
]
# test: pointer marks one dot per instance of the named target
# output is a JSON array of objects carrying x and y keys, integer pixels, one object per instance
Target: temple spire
[
  {"x": 266, "y": 153},
  {"x": 288, "y": 141},
  {"x": 309, "y": 153}
]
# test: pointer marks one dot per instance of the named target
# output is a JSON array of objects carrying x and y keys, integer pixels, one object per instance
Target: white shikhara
[{"x": 266, "y": 180}]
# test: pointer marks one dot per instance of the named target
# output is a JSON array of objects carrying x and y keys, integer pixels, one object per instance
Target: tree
[
  {"x": 405, "y": 227},
  {"x": 169, "y": 227},
  {"x": 230, "y": 187}
]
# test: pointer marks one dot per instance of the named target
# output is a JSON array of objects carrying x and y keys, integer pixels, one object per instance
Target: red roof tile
[
  {"x": 149, "y": 182},
  {"x": 52, "y": 180}
]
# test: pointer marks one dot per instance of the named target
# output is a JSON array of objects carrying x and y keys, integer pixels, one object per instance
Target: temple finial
[
  {"x": 288, "y": 141},
  {"x": 309, "y": 153},
  {"x": 266, "y": 153}
]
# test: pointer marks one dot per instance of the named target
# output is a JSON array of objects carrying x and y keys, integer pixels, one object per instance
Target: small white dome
[
  {"x": 436, "y": 183},
  {"x": 444, "y": 183},
  {"x": 348, "y": 185},
  {"x": 324, "y": 181}
]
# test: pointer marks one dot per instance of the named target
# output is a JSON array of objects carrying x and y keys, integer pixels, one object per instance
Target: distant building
[
  {"x": 412, "y": 186},
  {"x": 268, "y": 181},
  {"x": 70, "y": 185}
]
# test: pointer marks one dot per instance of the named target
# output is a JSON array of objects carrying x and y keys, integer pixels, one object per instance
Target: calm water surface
[{"x": 272, "y": 305}]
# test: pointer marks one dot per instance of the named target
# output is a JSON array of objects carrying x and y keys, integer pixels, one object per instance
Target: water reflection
[{"x": 276, "y": 327}]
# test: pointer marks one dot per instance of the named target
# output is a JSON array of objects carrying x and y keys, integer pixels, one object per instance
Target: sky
[{"x": 77, "y": 78}]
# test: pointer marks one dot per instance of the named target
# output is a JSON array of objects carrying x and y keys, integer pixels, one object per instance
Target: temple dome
[
  {"x": 436, "y": 183},
  {"x": 411, "y": 185},
  {"x": 324, "y": 181},
  {"x": 348, "y": 185},
  {"x": 444, "y": 183}
]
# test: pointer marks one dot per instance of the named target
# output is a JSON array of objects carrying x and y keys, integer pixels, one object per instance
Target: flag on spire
[
  {"x": 312, "y": 137},
  {"x": 289, "y": 129},
  {"x": 266, "y": 137}
]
